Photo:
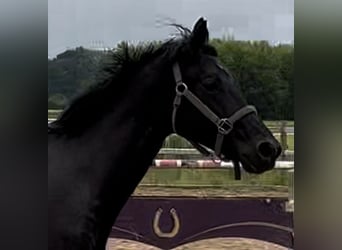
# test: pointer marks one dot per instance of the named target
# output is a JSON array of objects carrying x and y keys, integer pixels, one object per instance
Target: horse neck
[{"x": 124, "y": 144}]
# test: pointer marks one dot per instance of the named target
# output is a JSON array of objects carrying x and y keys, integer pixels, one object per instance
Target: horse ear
[{"x": 200, "y": 34}]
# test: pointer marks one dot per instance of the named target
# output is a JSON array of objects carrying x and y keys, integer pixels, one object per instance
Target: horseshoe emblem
[{"x": 176, "y": 224}]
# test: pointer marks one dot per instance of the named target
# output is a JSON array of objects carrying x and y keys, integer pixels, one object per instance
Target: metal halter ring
[
  {"x": 224, "y": 126},
  {"x": 181, "y": 88}
]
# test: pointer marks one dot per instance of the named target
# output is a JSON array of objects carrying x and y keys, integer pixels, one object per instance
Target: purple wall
[{"x": 263, "y": 219}]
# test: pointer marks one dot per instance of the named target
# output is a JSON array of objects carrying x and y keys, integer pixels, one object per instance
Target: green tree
[{"x": 264, "y": 73}]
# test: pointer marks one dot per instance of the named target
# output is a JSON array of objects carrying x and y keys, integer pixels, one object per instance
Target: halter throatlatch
[{"x": 224, "y": 125}]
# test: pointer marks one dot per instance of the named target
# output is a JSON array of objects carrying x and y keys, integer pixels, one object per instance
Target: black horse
[{"x": 104, "y": 142}]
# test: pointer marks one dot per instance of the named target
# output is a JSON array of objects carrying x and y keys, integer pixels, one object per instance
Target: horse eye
[{"x": 210, "y": 83}]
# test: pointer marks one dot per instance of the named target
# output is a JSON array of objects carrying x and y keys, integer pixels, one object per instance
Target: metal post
[
  {"x": 290, "y": 203},
  {"x": 283, "y": 138}
]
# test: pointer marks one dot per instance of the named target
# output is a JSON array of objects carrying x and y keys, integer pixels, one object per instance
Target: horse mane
[{"x": 97, "y": 101}]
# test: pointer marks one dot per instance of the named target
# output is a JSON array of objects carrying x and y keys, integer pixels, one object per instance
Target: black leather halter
[{"x": 224, "y": 125}]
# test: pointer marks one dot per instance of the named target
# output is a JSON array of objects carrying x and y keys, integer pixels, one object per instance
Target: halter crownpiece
[{"x": 224, "y": 125}]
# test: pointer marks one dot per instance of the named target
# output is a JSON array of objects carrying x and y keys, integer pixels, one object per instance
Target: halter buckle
[{"x": 224, "y": 126}]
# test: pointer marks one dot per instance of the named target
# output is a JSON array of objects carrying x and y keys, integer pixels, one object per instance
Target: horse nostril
[{"x": 266, "y": 149}]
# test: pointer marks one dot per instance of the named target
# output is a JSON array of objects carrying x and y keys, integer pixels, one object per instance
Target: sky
[{"x": 104, "y": 23}]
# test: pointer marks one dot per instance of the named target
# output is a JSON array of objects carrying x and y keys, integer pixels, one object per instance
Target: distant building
[{"x": 98, "y": 46}]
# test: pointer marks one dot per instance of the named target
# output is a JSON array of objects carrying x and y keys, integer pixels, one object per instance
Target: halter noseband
[{"x": 224, "y": 125}]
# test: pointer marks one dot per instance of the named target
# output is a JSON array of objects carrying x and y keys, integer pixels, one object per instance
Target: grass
[
  {"x": 197, "y": 182},
  {"x": 207, "y": 183},
  {"x": 188, "y": 177}
]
